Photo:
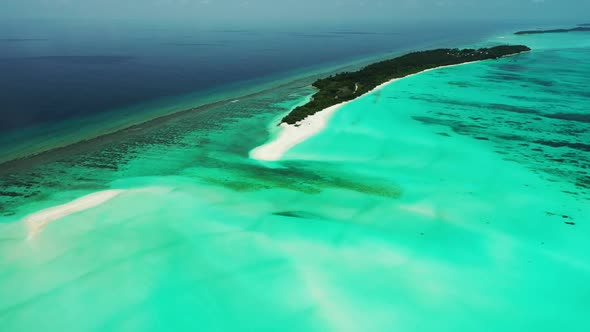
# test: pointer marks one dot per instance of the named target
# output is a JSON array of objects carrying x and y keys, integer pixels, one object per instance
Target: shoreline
[
  {"x": 338, "y": 88},
  {"x": 292, "y": 135}
]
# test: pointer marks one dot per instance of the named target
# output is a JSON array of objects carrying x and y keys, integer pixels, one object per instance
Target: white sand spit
[
  {"x": 37, "y": 221},
  {"x": 292, "y": 135}
]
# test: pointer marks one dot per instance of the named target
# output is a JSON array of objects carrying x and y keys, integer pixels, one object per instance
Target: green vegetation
[
  {"x": 349, "y": 85},
  {"x": 581, "y": 28}
]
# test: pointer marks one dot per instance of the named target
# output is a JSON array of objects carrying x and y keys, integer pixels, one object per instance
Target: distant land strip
[{"x": 580, "y": 28}]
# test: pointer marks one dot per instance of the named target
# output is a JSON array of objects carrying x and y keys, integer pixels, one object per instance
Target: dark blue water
[{"x": 62, "y": 70}]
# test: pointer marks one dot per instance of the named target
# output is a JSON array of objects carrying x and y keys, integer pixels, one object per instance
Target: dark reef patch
[
  {"x": 297, "y": 214},
  {"x": 10, "y": 194},
  {"x": 560, "y": 144},
  {"x": 569, "y": 117},
  {"x": 540, "y": 82},
  {"x": 490, "y": 106},
  {"x": 432, "y": 121},
  {"x": 461, "y": 84},
  {"x": 512, "y": 137},
  {"x": 583, "y": 182},
  {"x": 511, "y": 108},
  {"x": 296, "y": 177},
  {"x": 511, "y": 67}
]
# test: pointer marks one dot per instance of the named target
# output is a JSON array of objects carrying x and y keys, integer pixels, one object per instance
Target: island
[
  {"x": 346, "y": 86},
  {"x": 580, "y": 28}
]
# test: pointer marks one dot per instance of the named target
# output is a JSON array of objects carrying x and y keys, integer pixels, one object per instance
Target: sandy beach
[{"x": 291, "y": 135}]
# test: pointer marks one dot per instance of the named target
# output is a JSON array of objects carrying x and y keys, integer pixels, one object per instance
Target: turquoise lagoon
[{"x": 456, "y": 199}]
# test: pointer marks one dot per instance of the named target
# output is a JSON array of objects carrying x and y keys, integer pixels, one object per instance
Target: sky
[{"x": 278, "y": 10}]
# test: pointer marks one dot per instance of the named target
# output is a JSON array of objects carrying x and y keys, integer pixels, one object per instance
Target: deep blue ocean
[{"x": 56, "y": 71}]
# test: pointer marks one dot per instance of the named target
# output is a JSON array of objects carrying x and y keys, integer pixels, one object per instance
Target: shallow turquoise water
[{"x": 437, "y": 203}]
